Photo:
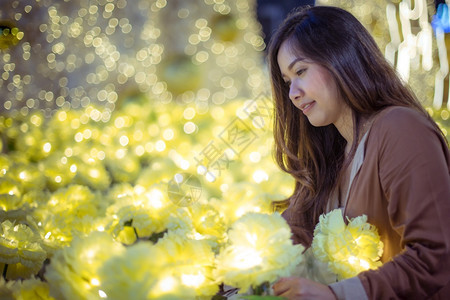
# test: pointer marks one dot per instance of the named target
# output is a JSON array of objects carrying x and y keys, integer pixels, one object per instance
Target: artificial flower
[
  {"x": 208, "y": 223},
  {"x": 147, "y": 210},
  {"x": 232, "y": 206},
  {"x": 142, "y": 272},
  {"x": 191, "y": 261},
  {"x": 20, "y": 250},
  {"x": 31, "y": 289},
  {"x": 347, "y": 249},
  {"x": 259, "y": 250},
  {"x": 71, "y": 211},
  {"x": 73, "y": 270}
]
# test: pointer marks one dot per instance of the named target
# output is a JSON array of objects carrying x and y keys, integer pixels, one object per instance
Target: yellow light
[
  {"x": 193, "y": 280},
  {"x": 101, "y": 228},
  {"x": 155, "y": 197},
  {"x": 47, "y": 147},
  {"x": 102, "y": 294},
  {"x": 167, "y": 284},
  {"x": 353, "y": 260},
  {"x": 58, "y": 179},
  {"x": 120, "y": 153},
  {"x": 255, "y": 157},
  {"x": 252, "y": 238},
  {"x": 246, "y": 258},
  {"x": 124, "y": 140},
  {"x": 240, "y": 212},
  {"x": 260, "y": 176},
  {"x": 184, "y": 164},
  {"x": 160, "y": 146},
  {"x": 198, "y": 236},
  {"x": 168, "y": 134},
  {"x": 364, "y": 264},
  {"x": 189, "y": 127},
  {"x": 94, "y": 173},
  {"x": 189, "y": 113},
  {"x": 210, "y": 177},
  {"x": 95, "y": 282},
  {"x": 90, "y": 254},
  {"x": 47, "y": 235},
  {"x": 22, "y": 175}
]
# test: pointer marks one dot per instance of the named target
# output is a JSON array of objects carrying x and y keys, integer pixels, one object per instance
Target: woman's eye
[
  {"x": 300, "y": 72},
  {"x": 287, "y": 83}
]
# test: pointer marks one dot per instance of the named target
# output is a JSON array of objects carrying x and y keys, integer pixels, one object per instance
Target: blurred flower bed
[
  {"x": 86, "y": 210},
  {"x": 90, "y": 210}
]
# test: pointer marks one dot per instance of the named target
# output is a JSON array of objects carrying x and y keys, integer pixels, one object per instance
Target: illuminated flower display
[
  {"x": 347, "y": 248},
  {"x": 136, "y": 154},
  {"x": 259, "y": 250},
  {"x": 73, "y": 272}
]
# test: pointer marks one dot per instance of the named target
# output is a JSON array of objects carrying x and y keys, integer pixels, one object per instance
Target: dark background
[{"x": 271, "y": 12}]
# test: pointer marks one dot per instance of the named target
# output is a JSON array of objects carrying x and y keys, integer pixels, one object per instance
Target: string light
[{"x": 91, "y": 53}]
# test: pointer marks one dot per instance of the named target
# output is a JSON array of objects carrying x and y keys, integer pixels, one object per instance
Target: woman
[{"x": 354, "y": 137}]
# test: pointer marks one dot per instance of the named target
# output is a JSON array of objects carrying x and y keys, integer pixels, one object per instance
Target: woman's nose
[{"x": 295, "y": 92}]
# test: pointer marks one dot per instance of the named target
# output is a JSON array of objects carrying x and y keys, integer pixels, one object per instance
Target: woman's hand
[{"x": 301, "y": 288}]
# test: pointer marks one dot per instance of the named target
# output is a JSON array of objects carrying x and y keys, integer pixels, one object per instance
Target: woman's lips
[{"x": 305, "y": 108}]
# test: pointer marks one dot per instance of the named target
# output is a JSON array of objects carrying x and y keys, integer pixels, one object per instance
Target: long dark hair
[{"x": 367, "y": 83}]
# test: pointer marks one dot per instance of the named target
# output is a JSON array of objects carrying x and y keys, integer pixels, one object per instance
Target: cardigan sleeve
[{"x": 414, "y": 174}]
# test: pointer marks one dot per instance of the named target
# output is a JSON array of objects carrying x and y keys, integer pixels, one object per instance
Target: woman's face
[{"x": 312, "y": 89}]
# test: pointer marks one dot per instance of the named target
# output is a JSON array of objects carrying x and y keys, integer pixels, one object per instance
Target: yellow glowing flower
[
  {"x": 71, "y": 211},
  {"x": 208, "y": 223},
  {"x": 147, "y": 210},
  {"x": 348, "y": 249},
  {"x": 191, "y": 261},
  {"x": 57, "y": 170},
  {"x": 73, "y": 271},
  {"x": 30, "y": 289},
  {"x": 123, "y": 169},
  {"x": 28, "y": 176},
  {"x": 93, "y": 174},
  {"x": 9, "y": 186},
  {"x": 20, "y": 245},
  {"x": 259, "y": 250},
  {"x": 142, "y": 272},
  {"x": 241, "y": 198}
]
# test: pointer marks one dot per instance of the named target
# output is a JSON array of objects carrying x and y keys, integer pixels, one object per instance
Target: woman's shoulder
[
  {"x": 400, "y": 113},
  {"x": 405, "y": 129},
  {"x": 400, "y": 119}
]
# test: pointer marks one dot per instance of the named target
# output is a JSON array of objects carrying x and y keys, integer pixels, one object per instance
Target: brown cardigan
[{"x": 403, "y": 186}]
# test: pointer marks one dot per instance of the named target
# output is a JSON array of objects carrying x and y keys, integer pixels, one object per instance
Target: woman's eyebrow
[{"x": 294, "y": 61}]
